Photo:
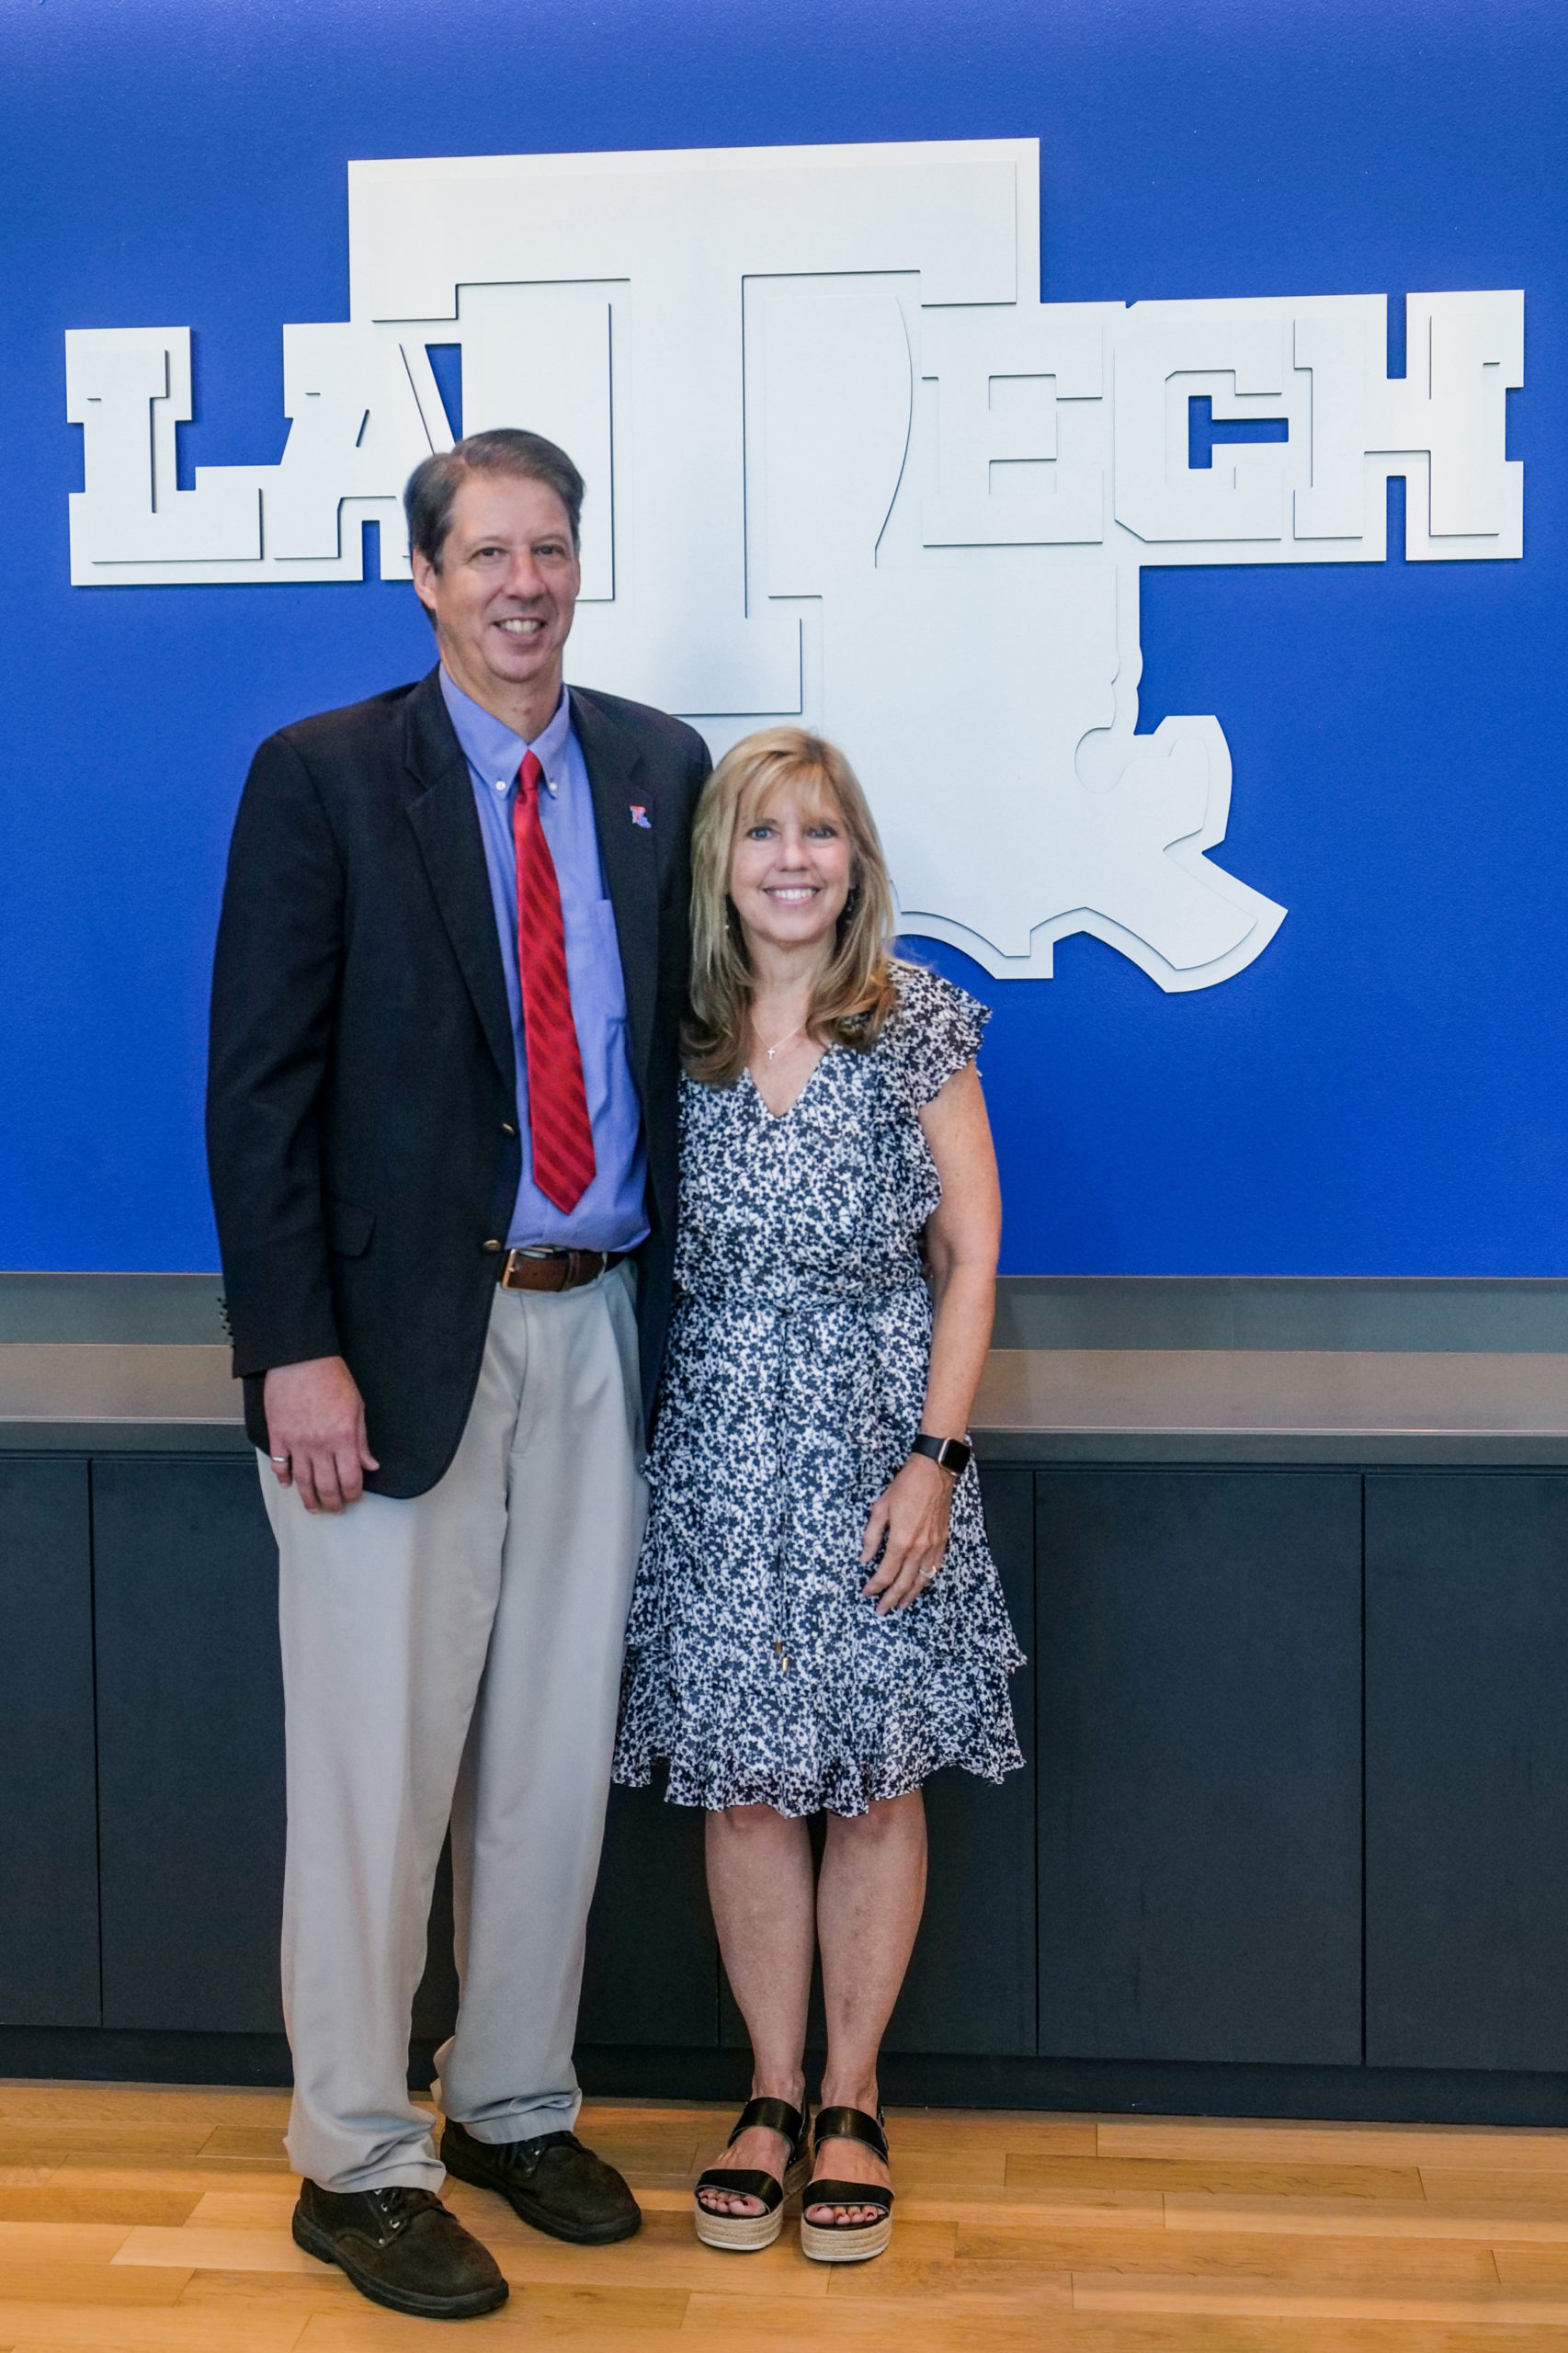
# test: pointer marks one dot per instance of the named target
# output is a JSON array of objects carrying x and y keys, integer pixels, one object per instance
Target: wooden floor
[{"x": 139, "y": 2220}]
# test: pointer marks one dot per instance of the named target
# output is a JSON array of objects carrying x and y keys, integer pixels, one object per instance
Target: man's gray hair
[{"x": 526, "y": 457}]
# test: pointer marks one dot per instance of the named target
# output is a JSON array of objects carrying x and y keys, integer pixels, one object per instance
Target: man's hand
[
  {"x": 316, "y": 1422},
  {"x": 912, "y": 1512}
]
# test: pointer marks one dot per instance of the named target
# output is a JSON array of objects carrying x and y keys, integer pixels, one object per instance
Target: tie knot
[{"x": 530, "y": 776}]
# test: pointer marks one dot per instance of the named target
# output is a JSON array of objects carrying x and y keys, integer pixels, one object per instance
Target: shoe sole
[
  {"x": 482, "y": 2300},
  {"x": 844, "y": 2242},
  {"x": 539, "y": 2218},
  {"x": 749, "y": 2233},
  {"x": 738, "y": 2233}
]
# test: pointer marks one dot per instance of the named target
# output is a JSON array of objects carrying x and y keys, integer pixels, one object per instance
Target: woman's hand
[{"x": 912, "y": 1512}]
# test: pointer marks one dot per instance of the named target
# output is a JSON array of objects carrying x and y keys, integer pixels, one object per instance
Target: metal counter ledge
[{"x": 1036, "y": 1405}]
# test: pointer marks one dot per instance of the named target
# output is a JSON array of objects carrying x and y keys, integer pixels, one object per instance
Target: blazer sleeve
[{"x": 274, "y": 987}]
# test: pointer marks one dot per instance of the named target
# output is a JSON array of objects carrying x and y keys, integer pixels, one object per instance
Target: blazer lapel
[
  {"x": 446, "y": 825},
  {"x": 629, "y": 855}
]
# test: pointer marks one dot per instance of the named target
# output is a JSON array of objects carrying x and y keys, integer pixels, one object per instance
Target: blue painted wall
[{"x": 1382, "y": 1092}]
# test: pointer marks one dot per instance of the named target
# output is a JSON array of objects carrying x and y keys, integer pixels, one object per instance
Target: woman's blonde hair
[{"x": 855, "y": 993}]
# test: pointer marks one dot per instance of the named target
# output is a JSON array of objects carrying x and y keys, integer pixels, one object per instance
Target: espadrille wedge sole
[
  {"x": 848, "y": 2242},
  {"x": 748, "y": 2233}
]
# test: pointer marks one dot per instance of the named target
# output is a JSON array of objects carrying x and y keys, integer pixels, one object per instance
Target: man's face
[{"x": 505, "y": 596}]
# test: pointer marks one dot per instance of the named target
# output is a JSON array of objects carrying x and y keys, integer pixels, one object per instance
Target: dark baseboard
[
  {"x": 134, "y": 2055},
  {"x": 1121, "y": 2087},
  {"x": 1073, "y": 2086}
]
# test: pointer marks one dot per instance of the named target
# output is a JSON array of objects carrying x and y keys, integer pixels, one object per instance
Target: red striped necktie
[{"x": 558, "y": 1125}]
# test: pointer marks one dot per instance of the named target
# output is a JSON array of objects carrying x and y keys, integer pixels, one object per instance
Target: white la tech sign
[{"x": 844, "y": 465}]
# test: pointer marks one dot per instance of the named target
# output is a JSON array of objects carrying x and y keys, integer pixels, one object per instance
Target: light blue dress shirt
[{"x": 612, "y": 1214}]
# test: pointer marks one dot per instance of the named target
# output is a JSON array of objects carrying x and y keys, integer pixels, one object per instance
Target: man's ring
[{"x": 277, "y": 1458}]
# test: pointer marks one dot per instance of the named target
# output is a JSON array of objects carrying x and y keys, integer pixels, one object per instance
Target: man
[{"x": 441, "y": 1129}]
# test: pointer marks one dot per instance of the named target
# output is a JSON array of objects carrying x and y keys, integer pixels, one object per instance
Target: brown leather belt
[{"x": 554, "y": 1269}]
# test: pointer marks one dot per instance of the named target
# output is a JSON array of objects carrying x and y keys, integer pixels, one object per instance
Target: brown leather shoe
[
  {"x": 554, "y": 2183},
  {"x": 401, "y": 2248}
]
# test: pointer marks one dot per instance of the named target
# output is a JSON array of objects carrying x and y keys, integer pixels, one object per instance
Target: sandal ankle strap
[
  {"x": 851, "y": 2124},
  {"x": 772, "y": 2116}
]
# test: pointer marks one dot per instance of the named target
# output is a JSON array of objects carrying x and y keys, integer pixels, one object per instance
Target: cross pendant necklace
[{"x": 782, "y": 1043}]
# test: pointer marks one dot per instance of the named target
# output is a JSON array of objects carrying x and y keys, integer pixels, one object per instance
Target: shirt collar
[{"x": 493, "y": 750}]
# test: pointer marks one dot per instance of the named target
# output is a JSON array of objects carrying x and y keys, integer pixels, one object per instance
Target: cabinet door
[
  {"x": 1199, "y": 1727},
  {"x": 652, "y": 1973},
  {"x": 190, "y": 1744},
  {"x": 1467, "y": 1770},
  {"x": 970, "y": 1985},
  {"x": 49, "y": 1842}
]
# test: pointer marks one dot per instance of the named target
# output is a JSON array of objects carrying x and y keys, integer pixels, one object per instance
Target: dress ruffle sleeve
[{"x": 936, "y": 1029}]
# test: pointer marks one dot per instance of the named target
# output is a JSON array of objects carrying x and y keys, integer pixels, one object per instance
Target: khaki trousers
[{"x": 458, "y": 1657}]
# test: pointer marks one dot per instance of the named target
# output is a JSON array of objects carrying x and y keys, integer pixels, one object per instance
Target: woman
[{"x": 817, "y": 1625}]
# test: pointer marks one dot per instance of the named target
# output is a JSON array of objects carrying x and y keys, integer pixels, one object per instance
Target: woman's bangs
[{"x": 774, "y": 783}]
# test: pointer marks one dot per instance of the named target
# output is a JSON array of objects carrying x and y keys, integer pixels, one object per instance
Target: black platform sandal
[
  {"x": 848, "y": 2242},
  {"x": 746, "y": 2234}
]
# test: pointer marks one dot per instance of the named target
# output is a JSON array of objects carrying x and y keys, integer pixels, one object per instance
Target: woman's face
[{"x": 790, "y": 869}]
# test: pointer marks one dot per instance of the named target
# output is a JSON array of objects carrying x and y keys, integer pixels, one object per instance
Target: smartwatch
[{"x": 952, "y": 1453}]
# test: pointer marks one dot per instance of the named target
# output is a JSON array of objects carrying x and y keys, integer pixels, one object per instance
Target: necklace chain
[{"x": 780, "y": 1044}]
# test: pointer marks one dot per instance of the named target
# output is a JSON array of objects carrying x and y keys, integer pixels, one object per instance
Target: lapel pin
[{"x": 639, "y": 817}]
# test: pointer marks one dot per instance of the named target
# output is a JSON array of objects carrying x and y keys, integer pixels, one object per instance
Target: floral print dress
[{"x": 794, "y": 1388}]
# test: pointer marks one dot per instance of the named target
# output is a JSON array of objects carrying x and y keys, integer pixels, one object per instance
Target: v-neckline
[{"x": 778, "y": 1118}]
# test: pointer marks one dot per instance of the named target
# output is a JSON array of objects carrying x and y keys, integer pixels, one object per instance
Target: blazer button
[
  {"x": 493, "y": 1245},
  {"x": 507, "y": 1129}
]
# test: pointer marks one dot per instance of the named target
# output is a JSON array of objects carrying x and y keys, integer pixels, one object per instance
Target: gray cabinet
[
  {"x": 49, "y": 1859},
  {"x": 1200, "y": 1711},
  {"x": 1467, "y": 1770},
  {"x": 190, "y": 1744}
]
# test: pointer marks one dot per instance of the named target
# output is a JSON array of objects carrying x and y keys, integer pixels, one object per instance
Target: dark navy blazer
[{"x": 361, "y": 1080}]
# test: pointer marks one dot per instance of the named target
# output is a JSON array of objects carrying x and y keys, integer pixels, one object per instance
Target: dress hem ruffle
[{"x": 701, "y": 1776}]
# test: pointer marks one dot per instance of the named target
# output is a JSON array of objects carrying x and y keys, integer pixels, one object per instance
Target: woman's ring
[{"x": 926, "y": 1576}]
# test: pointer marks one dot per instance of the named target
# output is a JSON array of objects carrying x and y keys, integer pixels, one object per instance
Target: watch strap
[{"x": 952, "y": 1453}]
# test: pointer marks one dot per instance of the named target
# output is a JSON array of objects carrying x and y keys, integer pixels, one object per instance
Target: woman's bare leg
[
  {"x": 871, "y": 1893},
  {"x": 760, "y": 1882}
]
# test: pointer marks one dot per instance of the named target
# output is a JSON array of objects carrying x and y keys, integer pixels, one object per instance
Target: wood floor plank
[
  {"x": 75, "y": 2201},
  {"x": 82, "y": 2105},
  {"x": 1366, "y": 2217},
  {"x": 1217, "y": 2256},
  {"x": 201, "y": 2249},
  {"x": 257, "y": 2144},
  {"x": 587, "y": 2319},
  {"x": 1472, "y": 2186},
  {"x": 1538, "y": 2262},
  {"x": 244, "y": 2209},
  {"x": 323, "y": 2289},
  {"x": 911, "y": 2323},
  {"x": 56, "y": 2144},
  {"x": 1212, "y": 2139},
  {"x": 933, "y": 2132},
  {"x": 175, "y": 2178},
  {"x": 169, "y": 2329},
  {"x": 1123, "y": 2291},
  {"x": 47, "y": 2278},
  {"x": 1158, "y": 2173},
  {"x": 62, "y": 2242}
]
